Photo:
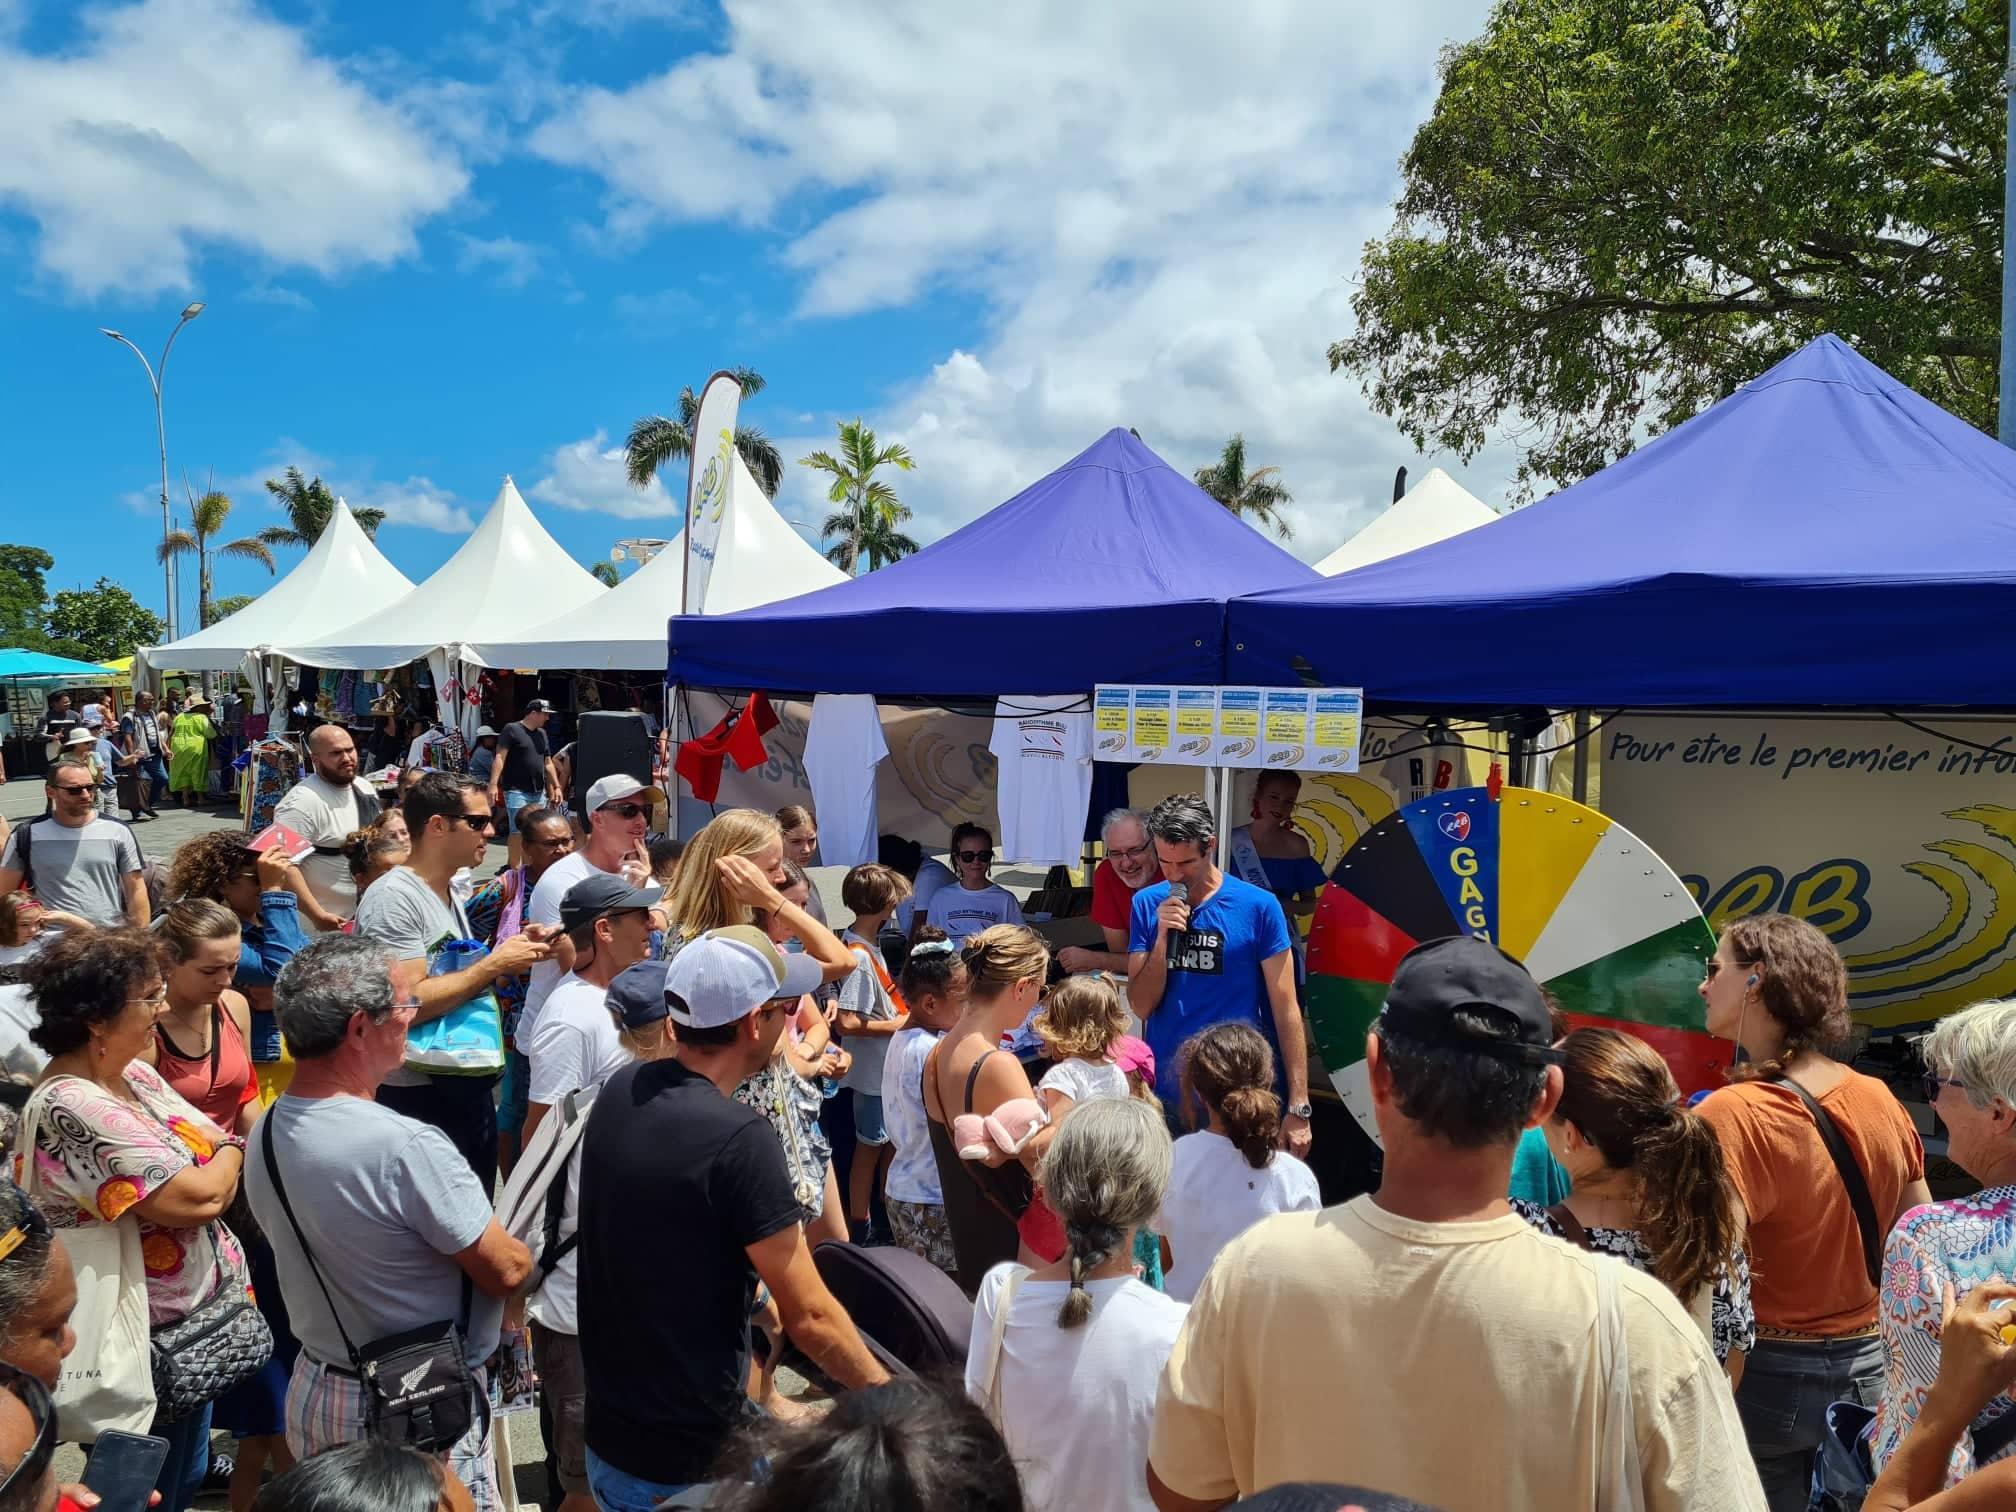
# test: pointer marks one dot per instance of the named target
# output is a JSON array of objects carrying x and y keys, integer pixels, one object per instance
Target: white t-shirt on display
[
  {"x": 1076, "y": 1404},
  {"x": 544, "y": 908},
  {"x": 1043, "y": 747},
  {"x": 962, "y": 913},
  {"x": 1083, "y": 1080},
  {"x": 843, "y": 747},
  {"x": 576, "y": 1044},
  {"x": 1214, "y": 1196}
]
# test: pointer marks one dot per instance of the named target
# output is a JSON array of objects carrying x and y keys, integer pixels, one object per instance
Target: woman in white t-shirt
[
  {"x": 1230, "y": 1174},
  {"x": 1066, "y": 1357}
]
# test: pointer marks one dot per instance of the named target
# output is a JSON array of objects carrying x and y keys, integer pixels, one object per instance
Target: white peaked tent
[
  {"x": 508, "y": 570},
  {"x": 759, "y": 560},
  {"x": 1432, "y": 510},
  {"x": 342, "y": 576}
]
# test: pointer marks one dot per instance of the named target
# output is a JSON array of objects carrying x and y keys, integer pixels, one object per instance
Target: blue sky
[{"x": 441, "y": 243}]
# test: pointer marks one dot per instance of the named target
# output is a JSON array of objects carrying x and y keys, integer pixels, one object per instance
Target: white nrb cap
[
  {"x": 616, "y": 787},
  {"x": 727, "y": 974}
]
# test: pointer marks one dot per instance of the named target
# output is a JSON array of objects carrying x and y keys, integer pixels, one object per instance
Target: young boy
[{"x": 870, "y": 1014}]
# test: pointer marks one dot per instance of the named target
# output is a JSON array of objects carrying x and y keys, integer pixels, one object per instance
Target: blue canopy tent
[
  {"x": 16, "y": 662},
  {"x": 1114, "y": 568},
  {"x": 1823, "y": 536}
]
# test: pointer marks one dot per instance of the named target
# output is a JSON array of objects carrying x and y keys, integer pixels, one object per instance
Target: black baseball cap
[
  {"x": 637, "y": 995},
  {"x": 1462, "y": 971},
  {"x": 538, "y": 706},
  {"x": 604, "y": 893}
]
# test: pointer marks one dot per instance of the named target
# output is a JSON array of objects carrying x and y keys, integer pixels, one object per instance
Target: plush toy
[{"x": 1007, "y": 1129}]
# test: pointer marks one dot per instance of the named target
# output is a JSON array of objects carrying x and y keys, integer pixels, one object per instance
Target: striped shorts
[{"x": 325, "y": 1409}]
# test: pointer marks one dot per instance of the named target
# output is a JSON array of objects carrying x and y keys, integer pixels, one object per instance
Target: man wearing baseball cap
[
  {"x": 685, "y": 1204},
  {"x": 1425, "y": 1339},
  {"x": 522, "y": 771},
  {"x": 619, "y": 816}
]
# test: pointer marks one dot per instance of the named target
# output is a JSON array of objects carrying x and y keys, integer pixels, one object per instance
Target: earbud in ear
[{"x": 1751, "y": 981}]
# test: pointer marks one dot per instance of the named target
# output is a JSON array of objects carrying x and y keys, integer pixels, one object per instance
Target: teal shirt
[{"x": 1537, "y": 1177}]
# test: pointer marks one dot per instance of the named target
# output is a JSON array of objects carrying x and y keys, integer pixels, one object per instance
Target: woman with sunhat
[{"x": 189, "y": 752}]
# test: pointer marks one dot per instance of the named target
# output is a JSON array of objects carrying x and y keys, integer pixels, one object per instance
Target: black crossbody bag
[
  {"x": 1851, "y": 1178},
  {"x": 418, "y": 1391}
]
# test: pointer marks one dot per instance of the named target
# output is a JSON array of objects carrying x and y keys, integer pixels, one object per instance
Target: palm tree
[
  {"x": 869, "y": 506},
  {"x": 207, "y": 517},
  {"x": 310, "y": 506},
  {"x": 1259, "y": 493},
  {"x": 605, "y": 572},
  {"x": 656, "y": 440}
]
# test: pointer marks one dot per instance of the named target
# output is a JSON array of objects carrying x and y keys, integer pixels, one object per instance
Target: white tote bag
[{"x": 108, "y": 1380}]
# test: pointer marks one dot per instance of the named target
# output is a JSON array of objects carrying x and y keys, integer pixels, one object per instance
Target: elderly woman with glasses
[
  {"x": 1939, "y": 1253},
  {"x": 112, "y": 1138}
]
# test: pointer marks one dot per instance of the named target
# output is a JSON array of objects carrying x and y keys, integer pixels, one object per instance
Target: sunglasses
[
  {"x": 627, "y": 810},
  {"x": 67, "y": 787},
  {"x": 33, "y": 1465},
  {"x": 1934, "y": 1081},
  {"x": 983, "y": 855},
  {"x": 477, "y": 821},
  {"x": 1714, "y": 969}
]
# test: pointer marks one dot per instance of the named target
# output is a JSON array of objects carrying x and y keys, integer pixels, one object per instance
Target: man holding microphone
[{"x": 1204, "y": 948}]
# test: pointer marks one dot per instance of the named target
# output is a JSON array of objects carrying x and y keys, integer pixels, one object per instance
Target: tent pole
[
  {"x": 1581, "y": 789},
  {"x": 1223, "y": 825}
]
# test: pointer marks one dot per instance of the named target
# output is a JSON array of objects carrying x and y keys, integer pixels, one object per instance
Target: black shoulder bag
[
  {"x": 1851, "y": 1178},
  {"x": 418, "y": 1392}
]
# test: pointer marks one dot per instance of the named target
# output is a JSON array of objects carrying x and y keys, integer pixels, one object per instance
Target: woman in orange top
[{"x": 1777, "y": 987}]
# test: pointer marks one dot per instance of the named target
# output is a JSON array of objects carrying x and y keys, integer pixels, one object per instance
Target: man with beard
[
  {"x": 322, "y": 808},
  {"x": 1129, "y": 866}
]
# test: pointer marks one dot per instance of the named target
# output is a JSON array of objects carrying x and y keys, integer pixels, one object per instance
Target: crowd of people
[{"x": 686, "y": 1089}]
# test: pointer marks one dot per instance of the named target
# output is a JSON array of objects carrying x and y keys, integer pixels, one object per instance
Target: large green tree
[
  {"x": 100, "y": 623},
  {"x": 657, "y": 440},
  {"x": 23, "y": 594},
  {"x": 1621, "y": 210},
  {"x": 224, "y": 608},
  {"x": 1259, "y": 492},
  {"x": 207, "y": 518},
  {"x": 869, "y": 510},
  {"x": 310, "y": 506}
]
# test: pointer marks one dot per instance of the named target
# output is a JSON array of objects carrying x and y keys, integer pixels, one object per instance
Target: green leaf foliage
[
  {"x": 657, "y": 441},
  {"x": 1259, "y": 493},
  {"x": 100, "y": 623},
  {"x": 23, "y": 592},
  {"x": 1621, "y": 210},
  {"x": 869, "y": 509}
]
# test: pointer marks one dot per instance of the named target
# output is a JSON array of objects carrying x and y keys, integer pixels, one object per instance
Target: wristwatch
[{"x": 1300, "y": 1110}]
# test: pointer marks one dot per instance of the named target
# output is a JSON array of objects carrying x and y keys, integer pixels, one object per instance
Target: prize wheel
[{"x": 1601, "y": 922}]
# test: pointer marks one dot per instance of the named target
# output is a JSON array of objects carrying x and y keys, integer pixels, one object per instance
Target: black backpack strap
[
  {"x": 1851, "y": 1178},
  {"x": 280, "y": 1191},
  {"x": 1570, "y": 1226},
  {"x": 21, "y": 838}
]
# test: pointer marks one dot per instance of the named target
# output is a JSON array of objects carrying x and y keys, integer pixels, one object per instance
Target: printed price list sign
[{"x": 1284, "y": 729}]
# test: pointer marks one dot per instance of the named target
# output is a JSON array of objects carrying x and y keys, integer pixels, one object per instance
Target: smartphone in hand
[{"x": 123, "y": 1468}]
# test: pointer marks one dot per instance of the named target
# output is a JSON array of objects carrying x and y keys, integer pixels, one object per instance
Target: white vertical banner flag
[{"x": 710, "y": 480}]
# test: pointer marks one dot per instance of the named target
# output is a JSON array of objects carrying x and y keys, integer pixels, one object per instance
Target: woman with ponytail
[
  {"x": 1066, "y": 1357},
  {"x": 1779, "y": 990},
  {"x": 1230, "y": 1173},
  {"x": 1650, "y": 1184}
]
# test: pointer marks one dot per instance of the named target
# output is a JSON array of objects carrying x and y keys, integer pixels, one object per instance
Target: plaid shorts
[{"x": 325, "y": 1409}]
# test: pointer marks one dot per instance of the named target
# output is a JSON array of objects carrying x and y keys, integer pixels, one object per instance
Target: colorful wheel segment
[{"x": 1599, "y": 920}]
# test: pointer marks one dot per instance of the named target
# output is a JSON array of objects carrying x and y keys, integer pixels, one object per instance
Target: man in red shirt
[{"x": 1129, "y": 866}]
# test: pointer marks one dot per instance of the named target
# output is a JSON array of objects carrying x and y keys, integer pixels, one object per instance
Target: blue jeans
[
  {"x": 616, "y": 1491},
  {"x": 1787, "y": 1386},
  {"x": 188, "y": 1459}
]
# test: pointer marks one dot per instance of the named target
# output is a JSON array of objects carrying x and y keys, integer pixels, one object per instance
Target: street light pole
[{"x": 157, "y": 375}]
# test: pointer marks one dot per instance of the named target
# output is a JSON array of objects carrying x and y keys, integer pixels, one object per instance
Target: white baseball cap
[
  {"x": 727, "y": 974},
  {"x": 616, "y": 787}
]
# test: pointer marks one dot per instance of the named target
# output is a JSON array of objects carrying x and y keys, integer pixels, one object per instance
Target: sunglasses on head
[{"x": 979, "y": 855}]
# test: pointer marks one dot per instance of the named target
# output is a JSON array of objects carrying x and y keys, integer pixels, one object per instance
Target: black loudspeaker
[{"x": 606, "y": 742}]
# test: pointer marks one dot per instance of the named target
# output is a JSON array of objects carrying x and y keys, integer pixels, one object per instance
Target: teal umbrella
[{"x": 16, "y": 662}]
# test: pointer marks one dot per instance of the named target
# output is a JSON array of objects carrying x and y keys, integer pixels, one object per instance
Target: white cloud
[
  {"x": 177, "y": 125},
  {"x": 588, "y": 475},
  {"x": 417, "y": 501},
  {"x": 511, "y": 263},
  {"x": 1160, "y": 207}
]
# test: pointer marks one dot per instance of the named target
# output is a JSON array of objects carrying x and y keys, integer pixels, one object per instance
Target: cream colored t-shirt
[{"x": 1454, "y": 1363}]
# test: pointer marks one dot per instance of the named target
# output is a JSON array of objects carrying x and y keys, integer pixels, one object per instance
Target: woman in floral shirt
[{"x": 116, "y": 1139}]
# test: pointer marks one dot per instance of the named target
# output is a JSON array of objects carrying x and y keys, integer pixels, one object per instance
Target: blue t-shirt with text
[{"x": 1213, "y": 971}]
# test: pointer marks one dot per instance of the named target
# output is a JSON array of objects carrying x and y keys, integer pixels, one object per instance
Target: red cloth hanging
[{"x": 738, "y": 737}]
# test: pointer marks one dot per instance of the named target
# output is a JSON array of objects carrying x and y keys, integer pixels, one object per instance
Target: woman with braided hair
[
  {"x": 1066, "y": 1357},
  {"x": 1651, "y": 1186}
]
